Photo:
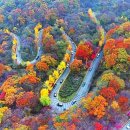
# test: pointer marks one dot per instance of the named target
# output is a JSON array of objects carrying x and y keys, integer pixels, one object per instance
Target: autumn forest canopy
[{"x": 64, "y": 64}]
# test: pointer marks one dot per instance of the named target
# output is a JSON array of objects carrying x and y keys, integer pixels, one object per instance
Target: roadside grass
[{"x": 71, "y": 86}]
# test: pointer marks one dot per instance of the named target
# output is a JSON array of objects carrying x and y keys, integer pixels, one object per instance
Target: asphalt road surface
[
  {"x": 18, "y": 48},
  {"x": 84, "y": 88},
  {"x": 126, "y": 126}
]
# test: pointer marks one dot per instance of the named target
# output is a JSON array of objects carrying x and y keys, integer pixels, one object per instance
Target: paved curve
[
  {"x": 126, "y": 126},
  {"x": 84, "y": 88},
  {"x": 39, "y": 53}
]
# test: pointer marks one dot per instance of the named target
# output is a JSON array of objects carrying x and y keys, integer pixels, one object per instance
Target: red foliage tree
[
  {"x": 98, "y": 126},
  {"x": 108, "y": 93},
  {"x": 84, "y": 51},
  {"x": 123, "y": 103},
  {"x": 114, "y": 84},
  {"x": 28, "y": 99}
]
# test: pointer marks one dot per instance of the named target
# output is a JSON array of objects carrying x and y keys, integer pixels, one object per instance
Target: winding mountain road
[
  {"x": 18, "y": 48},
  {"x": 84, "y": 88}
]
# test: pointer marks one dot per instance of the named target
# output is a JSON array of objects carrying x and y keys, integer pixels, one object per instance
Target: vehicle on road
[
  {"x": 55, "y": 84},
  {"x": 98, "y": 55},
  {"x": 55, "y": 95},
  {"x": 73, "y": 102},
  {"x": 83, "y": 84},
  {"x": 128, "y": 127},
  {"x": 90, "y": 69},
  {"x": 61, "y": 81},
  {"x": 72, "y": 52},
  {"x": 59, "y": 104},
  {"x": 67, "y": 65},
  {"x": 37, "y": 57}
]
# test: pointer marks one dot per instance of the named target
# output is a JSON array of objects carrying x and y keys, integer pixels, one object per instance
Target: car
[
  {"x": 72, "y": 52},
  {"x": 55, "y": 84},
  {"x": 61, "y": 81},
  {"x": 59, "y": 104},
  {"x": 128, "y": 127},
  {"x": 90, "y": 68},
  {"x": 98, "y": 55},
  {"x": 55, "y": 95},
  {"x": 83, "y": 84},
  {"x": 75, "y": 50},
  {"x": 67, "y": 65},
  {"x": 37, "y": 57},
  {"x": 73, "y": 102}
]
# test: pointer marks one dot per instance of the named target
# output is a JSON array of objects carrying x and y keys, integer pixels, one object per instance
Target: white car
[
  {"x": 128, "y": 127},
  {"x": 90, "y": 68},
  {"x": 59, "y": 104},
  {"x": 67, "y": 65},
  {"x": 98, "y": 55},
  {"x": 61, "y": 81},
  {"x": 55, "y": 94}
]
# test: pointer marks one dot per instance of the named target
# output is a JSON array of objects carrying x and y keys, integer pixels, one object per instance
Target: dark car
[
  {"x": 83, "y": 84},
  {"x": 59, "y": 104},
  {"x": 73, "y": 102},
  {"x": 37, "y": 57},
  {"x": 55, "y": 84},
  {"x": 61, "y": 81}
]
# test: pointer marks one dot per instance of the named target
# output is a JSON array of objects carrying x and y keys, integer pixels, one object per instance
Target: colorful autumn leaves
[
  {"x": 116, "y": 50},
  {"x": 54, "y": 76},
  {"x": 115, "y": 54},
  {"x": 97, "y": 106},
  {"x": 14, "y": 94}
]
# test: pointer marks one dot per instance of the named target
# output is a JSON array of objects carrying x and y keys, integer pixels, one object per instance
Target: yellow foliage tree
[
  {"x": 61, "y": 66},
  {"x": 51, "y": 79},
  {"x": 44, "y": 92},
  {"x": 56, "y": 74}
]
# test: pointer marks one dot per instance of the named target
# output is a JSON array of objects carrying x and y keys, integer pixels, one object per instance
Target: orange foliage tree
[
  {"x": 48, "y": 40},
  {"x": 41, "y": 66},
  {"x": 2, "y": 69},
  {"x": 10, "y": 90},
  {"x": 115, "y": 54},
  {"x": 49, "y": 60},
  {"x": 30, "y": 79},
  {"x": 97, "y": 106},
  {"x": 76, "y": 65}
]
